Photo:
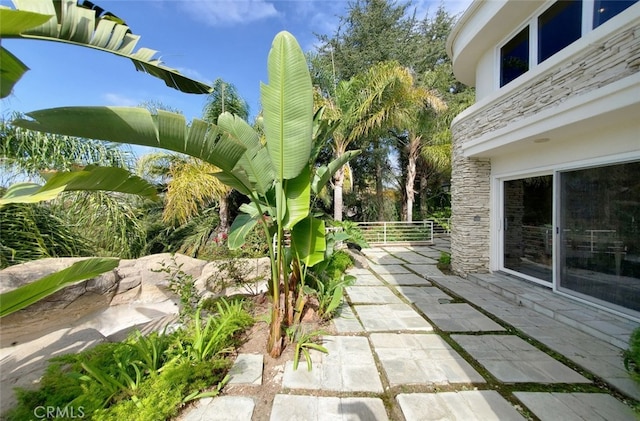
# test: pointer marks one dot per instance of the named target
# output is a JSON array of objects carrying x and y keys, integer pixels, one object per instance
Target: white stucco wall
[{"x": 598, "y": 146}]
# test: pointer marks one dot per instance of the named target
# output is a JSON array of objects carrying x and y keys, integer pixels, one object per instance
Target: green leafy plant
[
  {"x": 236, "y": 273},
  {"x": 632, "y": 355},
  {"x": 149, "y": 376},
  {"x": 205, "y": 341},
  {"x": 444, "y": 262},
  {"x": 275, "y": 174},
  {"x": 183, "y": 285},
  {"x": 304, "y": 342},
  {"x": 328, "y": 279},
  {"x": 31, "y": 231},
  {"x": 92, "y": 28},
  {"x": 28, "y": 294}
]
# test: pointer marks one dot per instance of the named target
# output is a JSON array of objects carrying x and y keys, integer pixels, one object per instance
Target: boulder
[
  {"x": 136, "y": 295},
  {"x": 23, "y": 365}
]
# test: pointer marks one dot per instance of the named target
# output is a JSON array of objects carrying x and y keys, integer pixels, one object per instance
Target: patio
[{"x": 416, "y": 344}]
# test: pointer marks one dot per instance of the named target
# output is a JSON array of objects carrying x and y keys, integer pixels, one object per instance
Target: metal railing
[{"x": 397, "y": 232}]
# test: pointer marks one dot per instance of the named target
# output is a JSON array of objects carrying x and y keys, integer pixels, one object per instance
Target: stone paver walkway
[{"x": 416, "y": 344}]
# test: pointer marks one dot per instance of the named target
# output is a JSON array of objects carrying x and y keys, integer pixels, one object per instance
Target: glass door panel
[
  {"x": 600, "y": 233},
  {"x": 528, "y": 228}
]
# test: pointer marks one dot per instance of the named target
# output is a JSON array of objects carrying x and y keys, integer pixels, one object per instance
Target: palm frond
[
  {"x": 89, "y": 27},
  {"x": 191, "y": 188}
]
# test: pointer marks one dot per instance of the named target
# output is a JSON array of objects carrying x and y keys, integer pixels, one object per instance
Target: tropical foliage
[
  {"x": 80, "y": 23},
  {"x": 152, "y": 376},
  {"x": 276, "y": 175},
  {"x": 400, "y": 158}
]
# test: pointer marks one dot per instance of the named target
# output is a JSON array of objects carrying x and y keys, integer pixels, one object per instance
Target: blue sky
[{"x": 205, "y": 40}]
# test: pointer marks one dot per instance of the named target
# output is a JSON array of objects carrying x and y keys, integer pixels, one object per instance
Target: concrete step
[{"x": 604, "y": 325}]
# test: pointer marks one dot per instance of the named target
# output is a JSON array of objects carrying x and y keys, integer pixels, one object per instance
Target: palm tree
[
  {"x": 223, "y": 98},
  {"x": 417, "y": 143},
  {"x": 374, "y": 102}
]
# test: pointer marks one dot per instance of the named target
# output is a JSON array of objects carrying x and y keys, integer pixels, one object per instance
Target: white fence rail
[{"x": 397, "y": 232}]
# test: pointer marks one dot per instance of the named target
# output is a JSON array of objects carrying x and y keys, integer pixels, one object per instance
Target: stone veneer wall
[{"x": 613, "y": 58}]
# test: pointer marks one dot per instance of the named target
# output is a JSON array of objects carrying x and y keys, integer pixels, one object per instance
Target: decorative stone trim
[{"x": 611, "y": 59}]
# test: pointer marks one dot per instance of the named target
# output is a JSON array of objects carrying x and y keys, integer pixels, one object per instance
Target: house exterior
[{"x": 546, "y": 163}]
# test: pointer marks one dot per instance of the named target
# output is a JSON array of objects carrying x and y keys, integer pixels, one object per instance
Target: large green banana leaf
[
  {"x": 87, "y": 179},
  {"x": 137, "y": 126},
  {"x": 26, "y": 295},
  {"x": 256, "y": 162},
  {"x": 298, "y": 198},
  {"x": 79, "y": 25},
  {"x": 12, "y": 68},
  {"x": 287, "y": 103},
  {"x": 308, "y": 241},
  {"x": 324, "y": 173}
]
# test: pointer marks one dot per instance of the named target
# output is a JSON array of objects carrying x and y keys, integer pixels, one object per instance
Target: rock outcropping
[{"x": 135, "y": 295}]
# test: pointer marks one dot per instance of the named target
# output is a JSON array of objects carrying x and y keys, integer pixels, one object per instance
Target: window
[
  {"x": 603, "y": 10},
  {"x": 554, "y": 29},
  {"x": 558, "y": 26},
  {"x": 514, "y": 57}
]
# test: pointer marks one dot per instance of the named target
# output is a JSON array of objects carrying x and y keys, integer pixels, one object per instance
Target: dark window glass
[
  {"x": 559, "y": 26},
  {"x": 514, "y": 57},
  {"x": 603, "y": 10},
  {"x": 528, "y": 229},
  {"x": 600, "y": 233}
]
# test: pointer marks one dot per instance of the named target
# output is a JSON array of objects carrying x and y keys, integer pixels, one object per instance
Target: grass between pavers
[
  {"x": 599, "y": 384},
  {"x": 506, "y": 390}
]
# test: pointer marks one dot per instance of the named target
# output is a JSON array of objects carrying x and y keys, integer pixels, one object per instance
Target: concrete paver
[
  {"x": 312, "y": 408},
  {"x": 458, "y": 317},
  {"x": 512, "y": 360},
  {"x": 426, "y": 270},
  {"x": 425, "y": 295},
  {"x": 347, "y": 367},
  {"x": 421, "y": 359},
  {"x": 386, "y": 269},
  {"x": 247, "y": 369},
  {"x": 413, "y": 257},
  {"x": 391, "y": 317},
  {"x": 592, "y": 353},
  {"x": 575, "y": 406},
  {"x": 472, "y": 405},
  {"x": 345, "y": 321},
  {"x": 372, "y": 295},
  {"x": 385, "y": 259},
  {"x": 222, "y": 408},
  {"x": 368, "y": 280},
  {"x": 405, "y": 279}
]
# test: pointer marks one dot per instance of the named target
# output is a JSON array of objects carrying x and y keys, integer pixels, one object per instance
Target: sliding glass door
[
  {"x": 592, "y": 248},
  {"x": 528, "y": 227},
  {"x": 599, "y": 244}
]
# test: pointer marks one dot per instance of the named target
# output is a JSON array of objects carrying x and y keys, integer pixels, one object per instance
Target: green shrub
[
  {"x": 444, "y": 262},
  {"x": 150, "y": 377},
  {"x": 328, "y": 282},
  {"x": 632, "y": 356}
]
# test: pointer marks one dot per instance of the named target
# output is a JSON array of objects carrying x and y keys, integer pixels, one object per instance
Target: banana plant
[
  {"x": 87, "y": 178},
  {"x": 83, "y": 24},
  {"x": 276, "y": 173}
]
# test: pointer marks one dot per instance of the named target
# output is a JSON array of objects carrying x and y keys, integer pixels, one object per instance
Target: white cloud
[
  {"x": 454, "y": 7},
  {"x": 192, "y": 73},
  {"x": 120, "y": 100},
  {"x": 229, "y": 12}
]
